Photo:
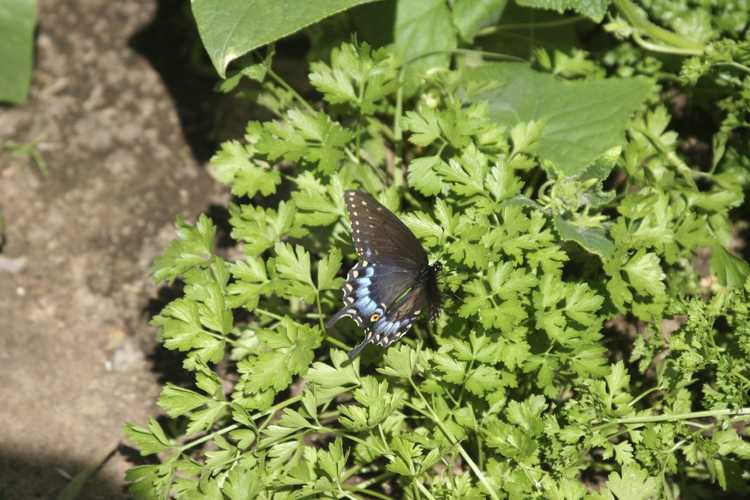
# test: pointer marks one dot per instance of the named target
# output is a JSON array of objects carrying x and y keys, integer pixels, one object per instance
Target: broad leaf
[
  {"x": 17, "y": 21},
  {"x": 592, "y": 239},
  {"x": 582, "y": 119},
  {"x": 231, "y": 28},
  {"x": 595, "y": 9}
]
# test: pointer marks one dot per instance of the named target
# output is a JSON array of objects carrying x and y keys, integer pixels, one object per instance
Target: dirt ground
[{"x": 123, "y": 133}]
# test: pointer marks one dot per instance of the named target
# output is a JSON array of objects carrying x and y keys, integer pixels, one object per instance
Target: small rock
[
  {"x": 12, "y": 265},
  {"x": 126, "y": 357}
]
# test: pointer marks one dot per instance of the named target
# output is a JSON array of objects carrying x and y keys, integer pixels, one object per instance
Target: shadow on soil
[
  {"x": 45, "y": 477},
  {"x": 172, "y": 45}
]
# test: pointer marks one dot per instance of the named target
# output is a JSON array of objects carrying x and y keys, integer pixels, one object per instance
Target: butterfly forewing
[{"x": 379, "y": 236}]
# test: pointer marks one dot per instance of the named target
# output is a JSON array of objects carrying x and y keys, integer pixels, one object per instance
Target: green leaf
[
  {"x": 204, "y": 419},
  {"x": 731, "y": 271},
  {"x": 260, "y": 229},
  {"x": 306, "y": 135},
  {"x": 470, "y": 16},
  {"x": 250, "y": 283},
  {"x": 284, "y": 352},
  {"x": 328, "y": 268},
  {"x": 193, "y": 247},
  {"x": 243, "y": 484},
  {"x": 645, "y": 273},
  {"x": 231, "y": 165},
  {"x": 357, "y": 76},
  {"x": 633, "y": 483},
  {"x": 582, "y": 119},
  {"x": 178, "y": 401},
  {"x": 592, "y": 239},
  {"x": 423, "y": 177},
  {"x": 17, "y": 22},
  {"x": 293, "y": 266},
  {"x": 422, "y": 27},
  {"x": 594, "y": 9},
  {"x": 148, "y": 441},
  {"x": 231, "y": 28}
]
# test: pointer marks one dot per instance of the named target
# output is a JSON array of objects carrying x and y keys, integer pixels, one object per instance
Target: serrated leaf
[
  {"x": 328, "y": 268},
  {"x": 231, "y": 165},
  {"x": 645, "y": 273},
  {"x": 148, "y": 441},
  {"x": 177, "y": 401},
  {"x": 731, "y": 271},
  {"x": 594, "y": 9},
  {"x": 422, "y": 175},
  {"x": 633, "y": 483},
  {"x": 193, "y": 247}
]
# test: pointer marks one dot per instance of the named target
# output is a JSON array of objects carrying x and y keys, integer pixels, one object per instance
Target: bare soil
[{"x": 123, "y": 132}]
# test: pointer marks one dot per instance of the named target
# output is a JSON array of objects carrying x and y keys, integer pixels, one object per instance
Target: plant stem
[
  {"x": 681, "y": 167},
  {"x": 263, "y": 312},
  {"x": 675, "y": 44},
  {"x": 208, "y": 437},
  {"x": 424, "y": 490},
  {"x": 733, "y": 64},
  {"x": 491, "y": 30},
  {"x": 290, "y": 89},
  {"x": 472, "y": 465},
  {"x": 680, "y": 416}
]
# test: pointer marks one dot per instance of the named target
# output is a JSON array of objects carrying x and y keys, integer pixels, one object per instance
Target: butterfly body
[{"x": 393, "y": 282}]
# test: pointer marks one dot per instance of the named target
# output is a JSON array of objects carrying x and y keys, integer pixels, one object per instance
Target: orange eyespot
[{"x": 375, "y": 317}]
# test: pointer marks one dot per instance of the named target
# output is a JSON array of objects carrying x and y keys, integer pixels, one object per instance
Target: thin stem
[
  {"x": 680, "y": 416},
  {"x": 374, "y": 494},
  {"x": 734, "y": 64},
  {"x": 377, "y": 479},
  {"x": 290, "y": 89},
  {"x": 263, "y": 312},
  {"x": 644, "y": 394},
  {"x": 472, "y": 465},
  {"x": 664, "y": 49},
  {"x": 672, "y": 158},
  {"x": 424, "y": 490},
  {"x": 320, "y": 310},
  {"x": 675, "y": 43},
  {"x": 491, "y": 30},
  {"x": 208, "y": 437}
]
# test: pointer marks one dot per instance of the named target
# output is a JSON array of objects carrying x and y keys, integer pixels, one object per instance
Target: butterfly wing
[
  {"x": 379, "y": 236},
  {"x": 392, "y": 284}
]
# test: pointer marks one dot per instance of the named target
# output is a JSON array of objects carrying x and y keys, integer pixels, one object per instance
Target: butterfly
[{"x": 393, "y": 282}]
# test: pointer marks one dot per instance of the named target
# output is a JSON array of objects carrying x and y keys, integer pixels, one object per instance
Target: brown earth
[{"x": 122, "y": 131}]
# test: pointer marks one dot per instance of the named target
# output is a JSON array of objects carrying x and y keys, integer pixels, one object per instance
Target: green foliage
[
  {"x": 580, "y": 353},
  {"x": 17, "y": 22}
]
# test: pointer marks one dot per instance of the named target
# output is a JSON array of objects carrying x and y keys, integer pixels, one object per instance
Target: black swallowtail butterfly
[{"x": 393, "y": 282}]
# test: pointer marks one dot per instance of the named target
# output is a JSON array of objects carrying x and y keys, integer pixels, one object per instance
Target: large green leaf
[
  {"x": 470, "y": 16},
  {"x": 17, "y": 21},
  {"x": 424, "y": 27},
  {"x": 232, "y": 28},
  {"x": 595, "y": 9},
  {"x": 582, "y": 119}
]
